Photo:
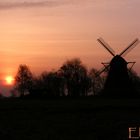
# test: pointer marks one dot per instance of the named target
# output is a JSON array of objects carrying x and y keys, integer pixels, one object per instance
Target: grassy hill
[{"x": 68, "y": 119}]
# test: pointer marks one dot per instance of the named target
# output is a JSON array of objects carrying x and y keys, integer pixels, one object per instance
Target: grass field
[{"x": 68, "y": 119}]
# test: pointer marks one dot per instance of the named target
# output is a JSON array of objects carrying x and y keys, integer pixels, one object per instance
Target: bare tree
[
  {"x": 97, "y": 81},
  {"x": 23, "y": 80},
  {"x": 135, "y": 81},
  {"x": 49, "y": 84},
  {"x": 75, "y": 74}
]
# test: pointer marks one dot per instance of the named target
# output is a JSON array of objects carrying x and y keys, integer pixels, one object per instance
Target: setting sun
[{"x": 9, "y": 80}]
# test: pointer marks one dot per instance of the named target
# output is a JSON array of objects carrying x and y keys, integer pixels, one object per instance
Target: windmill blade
[
  {"x": 132, "y": 64},
  {"x": 106, "y": 46},
  {"x": 130, "y": 47},
  {"x": 103, "y": 69},
  {"x": 105, "y": 64}
]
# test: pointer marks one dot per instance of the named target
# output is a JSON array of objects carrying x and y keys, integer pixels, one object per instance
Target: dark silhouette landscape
[
  {"x": 58, "y": 81},
  {"x": 71, "y": 103},
  {"x": 74, "y": 80}
]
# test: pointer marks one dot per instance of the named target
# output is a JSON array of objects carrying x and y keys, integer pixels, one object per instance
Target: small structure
[{"x": 118, "y": 82}]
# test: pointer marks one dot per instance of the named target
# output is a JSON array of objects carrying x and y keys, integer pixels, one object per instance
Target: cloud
[
  {"x": 7, "y": 4},
  {"x": 28, "y": 4}
]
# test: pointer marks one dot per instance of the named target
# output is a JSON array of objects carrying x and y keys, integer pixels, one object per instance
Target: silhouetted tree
[
  {"x": 97, "y": 81},
  {"x": 135, "y": 80},
  {"x": 75, "y": 74},
  {"x": 23, "y": 80},
  {"x": 14, "y": 93},
  {"x": 49, "y": 84},
  {"x": 36, "y": 91}
]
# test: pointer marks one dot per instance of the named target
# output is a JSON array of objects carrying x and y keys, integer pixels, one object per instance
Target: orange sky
[{"x": 43, "y": 34}]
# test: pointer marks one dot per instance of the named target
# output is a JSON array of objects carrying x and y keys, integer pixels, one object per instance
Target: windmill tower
[{"x": 118, "y": 81}]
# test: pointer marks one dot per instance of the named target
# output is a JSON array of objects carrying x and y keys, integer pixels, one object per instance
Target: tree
[
  {"x": 75, "y": 74},
  {"x": 48, "y": 84},
  {"x": 54, "y": 83},
  {"x": 97, "y": 81},
  {"x": 135, "y": 81},
  {"x": 23, "y": 80}
]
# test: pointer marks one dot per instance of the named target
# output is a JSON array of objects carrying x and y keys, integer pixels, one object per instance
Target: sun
[{"x": 9, "y": 80}]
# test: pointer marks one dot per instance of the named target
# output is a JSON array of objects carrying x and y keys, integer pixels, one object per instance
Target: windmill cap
[{"x": 118, "y": 61}]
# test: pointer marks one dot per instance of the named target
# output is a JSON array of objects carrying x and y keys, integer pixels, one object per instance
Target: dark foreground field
[{"x": 68, "y": 119}]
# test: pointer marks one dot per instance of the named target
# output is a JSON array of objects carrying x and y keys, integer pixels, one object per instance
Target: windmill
[{"x": 118, "y": 79}]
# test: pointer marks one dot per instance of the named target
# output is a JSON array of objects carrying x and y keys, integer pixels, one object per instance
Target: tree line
[{"x": 71, "y": 79}]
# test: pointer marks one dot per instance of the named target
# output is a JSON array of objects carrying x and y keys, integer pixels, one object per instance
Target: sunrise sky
[{"x": 45, "y": 33}]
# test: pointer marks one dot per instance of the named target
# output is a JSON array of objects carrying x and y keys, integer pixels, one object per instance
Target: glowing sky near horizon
[{"x": 45, "y": 33}]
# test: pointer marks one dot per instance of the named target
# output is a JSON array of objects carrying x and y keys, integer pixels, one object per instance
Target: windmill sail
[
  {"x": 107, "y": 47},
  {"x": 130, "y": 47}
]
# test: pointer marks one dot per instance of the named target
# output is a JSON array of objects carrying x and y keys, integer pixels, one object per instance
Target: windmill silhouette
[{"x": 118, "y": 81}]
